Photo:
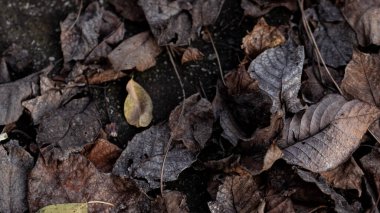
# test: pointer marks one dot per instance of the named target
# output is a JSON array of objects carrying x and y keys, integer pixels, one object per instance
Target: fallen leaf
[
  {"x": 239, "y": 82},
  {"x": 257, "y": 8},
  {"x": 311, "y": 89},
  {"x": 178, "y": 21},
  {"x": 68, "y": 129},
  {"x": 370, "y": 165},
  {"x": 231, "y": 130},
  {"x": 363, "y": 17},
  {"x": 17, "y": 60},
  {"x": 138, "y": 51},
  {"x": 65, "y": 207},
  {"x": 80, "y": 36},
  {"x": 175, "y": 202},
  {"x": 335, "y": 42},
  {"x": 261, "y": 37},
  {"x": 191, "y": 54},
  {"x": 76, "y": 180},
  {"x": 15, "y": 164},
  {"x": 333, "y": 145},
  {"x": 278, "y": 71},
  {"x": 138, "y": 106},
  {"x": 142, "y": 159},
  {"x": 362, "y": 78},
  {"x": 128, "y": 9},
  {"x": 4, "y": 72},
  {"x": 346, "y": 176},
  {"x": 194, "y": 126},
  {"x": 237, "y": 194},
  {"x": 103, "y": 154},
  {"x": 328, "y": 12}
]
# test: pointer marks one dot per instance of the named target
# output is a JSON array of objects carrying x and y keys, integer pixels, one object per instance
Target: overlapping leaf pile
[{"x": 282, "y": 134}]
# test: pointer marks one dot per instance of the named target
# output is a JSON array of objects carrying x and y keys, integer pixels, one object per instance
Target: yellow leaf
[
  {"x": 65, "y": 208},
  {"x": 138, "y": 105}
]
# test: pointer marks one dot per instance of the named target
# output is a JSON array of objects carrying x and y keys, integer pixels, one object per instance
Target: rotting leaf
[
  {"x": 142, "y": 159},
  {"x": 138, "y": 51},
  {"x": 346, "y": 176},
  {"x": 194, "y": 127},
  {"x": 257, "y": 8},
  {"x": 128, "y": 9},
  {"x": 76, "y": 180},
  {"x": 15, "y": 164},
  {"x": 278, "y": 71},
  {"x": 363, "y": 16},
  {"x": 362, "y": 78},
  {"x": 79, "y": 37},
  {"x": 261, "y": 38},
  {"x": 191, "y": 54},
  {"x": 333, "y": 145},
  {"x": 335, "y": 42},
  {"x": 138, "y": 106},
  {"x": 68, "y": 129},
  {"x": 311, "y": 89}
]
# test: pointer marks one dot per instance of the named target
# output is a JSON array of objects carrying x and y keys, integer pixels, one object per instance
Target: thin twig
[
  {"x": 217, "y": 56},
  {"x": 311, "y": 37},
  {"x": 179, "y": 119},
  {"x": 77, "y": 18},
  {"x": 100, "y": 202}
]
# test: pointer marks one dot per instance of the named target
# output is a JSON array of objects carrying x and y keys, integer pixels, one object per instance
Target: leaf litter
[{"x": 275, "y": 138}]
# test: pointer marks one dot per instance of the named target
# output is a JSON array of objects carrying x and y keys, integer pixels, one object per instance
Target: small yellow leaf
[
  {"x": 138, "y": 105},
  {"x": 65, "y": 208}
]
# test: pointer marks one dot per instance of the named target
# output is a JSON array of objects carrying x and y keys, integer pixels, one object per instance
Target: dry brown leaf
[
  {"x": 239, "y": 82},
  {"x": 138, "y": 51},
  {"x": 257, "y": 8},
  {"x": 138, "y": 106},
  {"x": 101, "y": 77},
  {"x": 175, "y": 202},
  {"x": 363, "y": 16},
  {"x": 362, "y": 78},
  {"x": 191, "y": 54},
  {"x": 332, "y": 146},
  {"x": 261, "y": 37},
  {"x": 346, "y": 176}
]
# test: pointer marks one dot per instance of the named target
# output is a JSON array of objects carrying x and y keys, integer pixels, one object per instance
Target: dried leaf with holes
[
  {"x": 191, "y": 54},
  {"x": 138, "y": 51},
  {"x": 278, "y": 71},
  {"x": 320, "y": 149},
  {"x": 138, "y": 106},
  {"x": 261, "y": 38}
]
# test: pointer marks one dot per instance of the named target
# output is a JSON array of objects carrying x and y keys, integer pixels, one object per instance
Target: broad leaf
[{"x": 278, "y": 71}]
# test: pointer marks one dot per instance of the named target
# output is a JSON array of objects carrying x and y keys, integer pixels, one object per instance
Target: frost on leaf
[
  {"x": 278, "y": 71},
  {"x": 333, "y": 145}
]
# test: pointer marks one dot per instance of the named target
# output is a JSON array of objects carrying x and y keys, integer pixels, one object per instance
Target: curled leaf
[
  {"x": 191, "y": 54},
  {"x": 138, "y": 106}
]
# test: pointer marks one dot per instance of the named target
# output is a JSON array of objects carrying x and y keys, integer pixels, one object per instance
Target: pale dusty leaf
[
  {"x": 335, "y": 42},
  {"x": 363, "y": 16},
  {"x": 278, "y": 71},
  {"x": 65, "y": 208},
  {"x": 142, "y": 159},
  {"x": 333, "y": 145},
  {"x": 261, "y": 38},
  {"x": 362, "y": 78},
  {"x": 191, "y": 54},
  {"x": 138, "y": 51},
  {"x": 346, "y": 176},
  {"x": 328, "y": 12},
  {"x": 138, "y": 106},
  {"x": 15, "y": 164},
  {"x": 257, "y": 8}
]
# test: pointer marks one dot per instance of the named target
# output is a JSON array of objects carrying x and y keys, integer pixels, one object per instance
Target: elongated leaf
[
  {"x": 138, "y": 106},
  {"x": 65, "y": 207},
  {"x": 278, "y": 71},
  {"x": 332, "y": 146}
]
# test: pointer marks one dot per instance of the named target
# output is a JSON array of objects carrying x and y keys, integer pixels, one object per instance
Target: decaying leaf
[
  {"x": 175, "y": 202},
  {"x": 328, "y": 12},
  {"x": 79, "y": 37},
  {"x": 15, "y": 164},
  {"x": 327, "y": 149},
  {"x": 179, "y": 21},
  {"x": 257, "y": 8},
  {"x": 335, "y": 42},
  {"x": 69, "y": 128},
  {"x": 261, "y": 38},
  {"x": 239, "y": 82},
  {"x": 142, "y": 159},
  {"x": 363, "y": 16},
  {"x": 191, "y": 54},
  {"x": 194, "y": 126},
  {"x": 138, "y": 51},
  {"x": 65, "y": 207},
  {"x": 370, "y": 163},
  {"x": 76, "y": 180},
  {"x": 138, "y": 106},
  {"x": 17, "y": 59},
  {"x": 237, "y": 194},
  {"x": 312, "y": 89},
  {"x": 278, "y": 71},
  {"x": 362, "y": 78},
  {"x": 128, "y": 9},
  {"x": 346, "y": 176}
]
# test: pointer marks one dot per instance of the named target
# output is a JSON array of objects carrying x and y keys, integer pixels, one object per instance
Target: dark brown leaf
[
  {"x": 128, "y": 9},
  {"x": 257, "y": 8},
  {"x": 15, "y": 164},
  {"x": 239, "y": 82},
  {"x": 4, "y": 72},
  {"x": 76, "y": 180},
  {"x": 142, "y": 159},
  {"x": 370, "y": 163},
  {"x": 17, "y": 59},
  {"x": 311, "y": 89},
  {"x": 194, "y": 126}
]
